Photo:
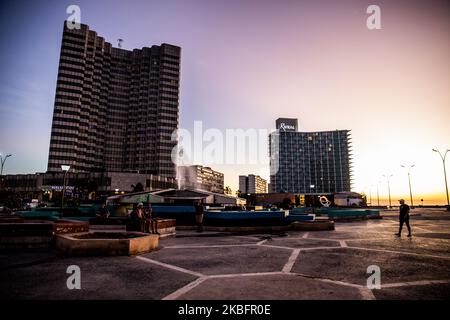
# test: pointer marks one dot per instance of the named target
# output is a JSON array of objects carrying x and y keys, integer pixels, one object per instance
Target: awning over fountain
[
  {"x": 175, "y": 196},
  {"x": 137, "y": 197},
  {"x": 182, "y": 194}
]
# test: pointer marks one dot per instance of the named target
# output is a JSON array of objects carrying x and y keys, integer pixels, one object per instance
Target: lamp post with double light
[
  {"x": 2, "y": 161},
  {"x": 389, "y": 188},
  {"x": 378, "y": 194},
  {"x": 409, "y": 182},
  {"x": 445, "y": 174}
]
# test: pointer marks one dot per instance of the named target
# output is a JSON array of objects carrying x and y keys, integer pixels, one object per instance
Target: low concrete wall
[
  {"x": 167, "y": 232},
  {"x": 107, "y": 228},
  {"x": 11, "y": 219},
  {"x": 30, "y": 234},
  {"x": 355, "y": 218},
  {"x": 165, "y": 227},
  {"x": 25, "y": 242},
  {"x": 312, "y": 226},
  {"x": 143, "y": 244},
  {"x": 37, "y": 234},
  {"x": 70, "y": 226},
  {"x": 73, "y": 246},
  {"x": 297, "y": 225}
]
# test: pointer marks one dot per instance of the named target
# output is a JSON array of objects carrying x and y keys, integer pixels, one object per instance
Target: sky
[{"x": 246, "y": 63}]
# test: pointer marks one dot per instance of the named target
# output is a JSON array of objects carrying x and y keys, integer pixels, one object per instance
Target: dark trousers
[
  {"x": 199, "y": 222},
  {"x": 404, "y": 219}
]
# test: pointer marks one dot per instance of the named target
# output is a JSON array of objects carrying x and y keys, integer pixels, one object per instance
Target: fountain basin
[
  {"x": 30, "y": 234},
  {"x": 106, "y": 243},
  {"x": 340, "y": 214}
]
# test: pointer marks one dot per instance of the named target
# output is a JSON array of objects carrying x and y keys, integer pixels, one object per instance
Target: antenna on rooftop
[{"x": 119, "y": 42}]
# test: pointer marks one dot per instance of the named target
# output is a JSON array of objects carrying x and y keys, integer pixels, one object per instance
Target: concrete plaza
[{"x": 287, "y": 266}]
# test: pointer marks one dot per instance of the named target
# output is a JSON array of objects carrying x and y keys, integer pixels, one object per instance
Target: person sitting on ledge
[
  {"x": 149, "y": 221},
  {"x": 135, "y": 223},
  {"x": 103, "y": 212},
  {"x": 139, "y": 217}
]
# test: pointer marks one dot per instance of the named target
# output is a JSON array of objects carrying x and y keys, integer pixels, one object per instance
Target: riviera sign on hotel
[{"x": 286, "y": 124}]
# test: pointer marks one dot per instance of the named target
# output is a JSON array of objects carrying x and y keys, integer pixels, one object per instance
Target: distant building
[
  {"x": 309, "y": 162},
  {"x": 268, "y": 199},
  {"x": 102, "y": 183},
  {"x": 201, "y": 178},
  {"x": 252, "y": 184},
  {"x": 115, "y": 110}
]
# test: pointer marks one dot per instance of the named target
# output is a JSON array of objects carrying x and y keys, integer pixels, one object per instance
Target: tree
[
  {"x": 227, "y": 190},
  {"x": 363, "y": 202}
]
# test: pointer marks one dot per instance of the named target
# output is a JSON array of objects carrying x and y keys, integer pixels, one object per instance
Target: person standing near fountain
[
  {"x": 103, "y": 212},
  {"x": 199, "y": 211}
]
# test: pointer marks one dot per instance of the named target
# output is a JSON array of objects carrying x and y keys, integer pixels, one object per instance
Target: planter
[{"x": 106, "y": 244}]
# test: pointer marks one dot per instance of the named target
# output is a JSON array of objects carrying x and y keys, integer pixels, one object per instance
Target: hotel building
[{"x": 309, "y": 162}]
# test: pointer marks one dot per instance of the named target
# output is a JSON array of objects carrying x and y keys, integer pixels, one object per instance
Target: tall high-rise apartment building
[
  {"x": 309, "y": 162},
  {"x": 115, "y": 109}
]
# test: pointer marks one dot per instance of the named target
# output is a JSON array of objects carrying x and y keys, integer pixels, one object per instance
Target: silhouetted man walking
[
  {"x": 404, "y": 218},
  {"x": 199, "y": 212}
]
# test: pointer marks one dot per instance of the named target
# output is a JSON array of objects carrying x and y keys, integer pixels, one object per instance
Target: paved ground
[{"x": 290, "y": 266}]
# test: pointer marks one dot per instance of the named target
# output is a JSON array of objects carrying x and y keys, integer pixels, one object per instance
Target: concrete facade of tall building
[
  {"x": 309, "y": 162},
  {"x": 200, "y": 177},
  {"x": 252, "y": 184},
  {"x": 115, "y": 109}
]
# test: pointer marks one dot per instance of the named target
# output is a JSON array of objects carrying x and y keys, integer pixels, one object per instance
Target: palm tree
[{"x": 227, "y": 190}]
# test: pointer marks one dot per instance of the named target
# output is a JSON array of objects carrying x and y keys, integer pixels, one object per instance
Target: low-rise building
[
  {"x": 99, "y": 183},
  {"x": 252, "y": 184},
  {"x": 201, "y": 178}
]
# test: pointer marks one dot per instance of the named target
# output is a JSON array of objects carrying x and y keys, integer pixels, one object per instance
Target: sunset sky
[{"x": 246, "y": 63}]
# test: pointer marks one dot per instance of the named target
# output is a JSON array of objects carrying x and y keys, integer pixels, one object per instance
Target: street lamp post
[
  {"x": 409, "y": 182},
  {"x": 378, "y": 195},
  {"x": 389, "y": 188},
  {"x": 3, "y": 160},
  {"x": 65, "y": 169},
  {"x": 445, "y": 174}
]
